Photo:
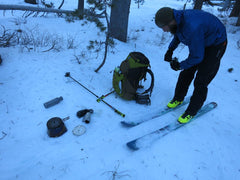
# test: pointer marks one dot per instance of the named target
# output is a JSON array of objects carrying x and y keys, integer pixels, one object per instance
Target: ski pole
[
  {"x": 115, "y": 110},
  {"x": 103, "y": 96}
]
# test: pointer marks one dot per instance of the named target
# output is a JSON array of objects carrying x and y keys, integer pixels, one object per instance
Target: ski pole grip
[
  {"x": 121, "y": 114},
  {"x": 67, "y": 74}
]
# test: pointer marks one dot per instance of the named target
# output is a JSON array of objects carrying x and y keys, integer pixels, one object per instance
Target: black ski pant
[{"x": 206, "y": 71}]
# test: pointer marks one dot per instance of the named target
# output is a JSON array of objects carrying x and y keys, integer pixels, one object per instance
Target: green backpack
[{"x": 129, "y": 74}]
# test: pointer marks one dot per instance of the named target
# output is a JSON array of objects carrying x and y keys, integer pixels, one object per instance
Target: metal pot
[{"x": 56, "y": 127}]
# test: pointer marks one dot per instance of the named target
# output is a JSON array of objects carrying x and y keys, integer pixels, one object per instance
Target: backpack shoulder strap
[
  {"x": 117, "y": 78},
  {"x": 152, "y": 82}
]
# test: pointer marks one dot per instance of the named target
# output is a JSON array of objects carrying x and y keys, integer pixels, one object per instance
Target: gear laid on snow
[
  {"x": 67, "y": 74},
  {"x": 53, "y": 102},
  {"x": 87, "y": 116},
  {"x": 82, "y": 113},
  {"x": 79, "y": 130},
  {"x": 56, "y": 126},
  {"x": 129, "y": 74}
]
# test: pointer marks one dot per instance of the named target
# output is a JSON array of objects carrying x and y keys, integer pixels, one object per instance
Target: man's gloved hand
[
  {"x": 168, "y": 55},
  {"x": 175, "y": 65}
]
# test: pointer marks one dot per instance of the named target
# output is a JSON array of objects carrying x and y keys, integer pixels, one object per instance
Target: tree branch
[
  {"x": 106, "y": 42},
  {"x": 30, "y": 8}
]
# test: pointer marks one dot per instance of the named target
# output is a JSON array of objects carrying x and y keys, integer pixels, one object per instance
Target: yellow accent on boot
[
  {"x": 184, "y": 118},
  {"x": 173, "y": 104}
]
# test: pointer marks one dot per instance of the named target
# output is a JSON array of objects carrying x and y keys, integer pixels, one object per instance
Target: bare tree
[
  {"x": 236, "y": 9},
  {"x": 61, "y": 4}
]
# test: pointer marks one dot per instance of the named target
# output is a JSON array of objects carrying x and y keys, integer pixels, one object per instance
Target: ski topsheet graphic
[{"x": 150, "y": 137}]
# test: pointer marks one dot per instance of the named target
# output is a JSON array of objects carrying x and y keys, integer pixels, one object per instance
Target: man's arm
[{"x": 196, "y": 50}]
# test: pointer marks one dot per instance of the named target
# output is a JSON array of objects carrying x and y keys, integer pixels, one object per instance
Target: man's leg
[
  {"x": 207, "y": 70},
  {"x": 184, "y": 80}
]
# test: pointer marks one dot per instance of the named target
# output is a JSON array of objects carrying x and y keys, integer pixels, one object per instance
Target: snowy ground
[{"x": 207, "y": 149}]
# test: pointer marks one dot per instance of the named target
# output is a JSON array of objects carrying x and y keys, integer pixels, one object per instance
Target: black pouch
[{"x": 143, "y": 99}]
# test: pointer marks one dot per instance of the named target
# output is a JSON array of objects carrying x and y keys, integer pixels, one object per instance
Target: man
[{"x": 206, "y": 39}]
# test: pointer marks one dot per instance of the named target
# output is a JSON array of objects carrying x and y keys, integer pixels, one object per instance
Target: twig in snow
[
  {"x": 4, "y": 134},
  {"x": 116, "y": 174}
]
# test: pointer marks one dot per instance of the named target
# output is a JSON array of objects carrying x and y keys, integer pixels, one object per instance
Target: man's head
[{"x": 164, "y": 19}]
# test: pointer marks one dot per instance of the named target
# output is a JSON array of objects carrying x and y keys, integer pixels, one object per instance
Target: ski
[
  {"x": 148, "y": 138},
  {"x": 153, "y": 115}
]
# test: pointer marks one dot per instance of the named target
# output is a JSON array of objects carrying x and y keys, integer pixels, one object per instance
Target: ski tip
[
  {"x": 214, "y": 104},
  {"x": 132, "y": 145},
  {"x": 128, "y": 124}
]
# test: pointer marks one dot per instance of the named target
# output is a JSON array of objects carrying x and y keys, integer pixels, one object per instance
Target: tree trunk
[
  {"x": 81, "y": 5},
  {"x": 119, "y": 19},
  {"x": 236, "y": 9},
  {"x": 198, "y": 4},
  {"x": 238, "y": 21}
]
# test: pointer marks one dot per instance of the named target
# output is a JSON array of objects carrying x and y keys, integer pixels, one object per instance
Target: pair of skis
[{"x": 143, "y": 140}]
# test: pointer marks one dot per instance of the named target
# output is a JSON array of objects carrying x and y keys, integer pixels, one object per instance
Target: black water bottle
[{"x": 53, "y": 102}]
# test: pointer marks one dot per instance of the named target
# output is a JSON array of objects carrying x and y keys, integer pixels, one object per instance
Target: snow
[{"x": 208, "y": 148}]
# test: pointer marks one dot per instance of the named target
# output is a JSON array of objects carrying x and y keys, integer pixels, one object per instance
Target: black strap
[{"x": 152, "y": 83}]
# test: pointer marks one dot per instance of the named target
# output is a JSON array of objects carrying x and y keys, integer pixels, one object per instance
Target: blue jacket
[{"x": 197, "y": 29}]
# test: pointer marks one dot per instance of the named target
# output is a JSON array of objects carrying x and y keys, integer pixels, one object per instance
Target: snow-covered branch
[{"x": 30, "y": 8}]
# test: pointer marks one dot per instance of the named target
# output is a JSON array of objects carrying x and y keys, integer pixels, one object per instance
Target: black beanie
[{"x": 164, "y": 16}]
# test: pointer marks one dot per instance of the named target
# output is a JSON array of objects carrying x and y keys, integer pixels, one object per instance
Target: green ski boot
[
  {"x": 185, "y": 118},
  {"x": 174, "y": 103}
]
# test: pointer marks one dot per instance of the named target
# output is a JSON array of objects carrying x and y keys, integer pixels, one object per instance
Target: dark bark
[
  {"x": 81, "y": 5},
  {"x": 119, "y": 19},
  {"x": 238, "y": 21},
  {"x": 106, "y": 44},
  {"x": 198, "y": 4},
  {"x": 236, "y": 9},
  {"x": 61, "y": 4}
]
